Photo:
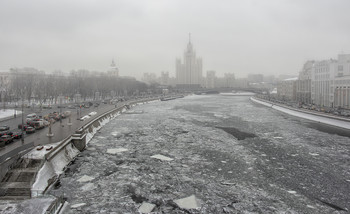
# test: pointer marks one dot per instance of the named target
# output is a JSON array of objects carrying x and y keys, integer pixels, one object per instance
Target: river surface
[{"x": 233, "y": 155}]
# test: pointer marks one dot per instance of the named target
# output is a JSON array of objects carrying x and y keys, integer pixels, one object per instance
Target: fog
[{"x": 242, "y": 37}]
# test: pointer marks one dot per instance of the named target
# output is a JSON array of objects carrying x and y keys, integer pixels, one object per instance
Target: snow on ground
[
  {"x": 6, "y": 113},
  {"x": 325, "y": 120}
]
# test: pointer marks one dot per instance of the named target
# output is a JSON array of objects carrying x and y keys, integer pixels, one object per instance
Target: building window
[{"x": 340, "y": 67}]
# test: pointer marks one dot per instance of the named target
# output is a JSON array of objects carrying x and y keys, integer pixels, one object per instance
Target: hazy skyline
[{"x": 241, "y": 37}]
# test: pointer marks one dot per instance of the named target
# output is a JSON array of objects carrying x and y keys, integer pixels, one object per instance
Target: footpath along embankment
[{"x": 310, "y": 115}]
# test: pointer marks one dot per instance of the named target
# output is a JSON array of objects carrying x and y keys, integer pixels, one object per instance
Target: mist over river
[{"x": 233, "y": 155}]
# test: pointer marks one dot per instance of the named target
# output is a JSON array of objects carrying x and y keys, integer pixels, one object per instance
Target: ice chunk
[
  {"x": 188, "y": 203},
  {"x": 88, "y": 187},
  {"x": 85, "y": 178},
  {"x": 115, "y": 151},
  {"x": 146, "y": 207},
  {"x": 162, "y": 157},
  {"x": 77, "y": 205}
]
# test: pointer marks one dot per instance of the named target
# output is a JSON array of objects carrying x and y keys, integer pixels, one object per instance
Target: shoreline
[
  {"x": 313, "y": 116},
  {"x": 49, "y": 171}
]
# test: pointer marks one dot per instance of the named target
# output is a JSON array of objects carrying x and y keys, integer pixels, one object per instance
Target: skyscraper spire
[{"x": 189, "y": 45}]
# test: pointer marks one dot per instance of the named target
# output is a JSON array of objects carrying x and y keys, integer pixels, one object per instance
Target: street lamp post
[{"x": 22, "y": 138}]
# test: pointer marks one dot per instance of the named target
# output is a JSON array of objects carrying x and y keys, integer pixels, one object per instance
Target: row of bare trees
[{"x": 30, "y": 83}]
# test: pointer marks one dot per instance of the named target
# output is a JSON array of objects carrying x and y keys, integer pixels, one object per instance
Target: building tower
[
  {"x": 113, "y": 70},
  {"x": 189, "y": 73}
]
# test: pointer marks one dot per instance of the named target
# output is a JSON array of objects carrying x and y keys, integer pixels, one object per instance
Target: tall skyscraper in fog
[{"x": 189, "y": 73}]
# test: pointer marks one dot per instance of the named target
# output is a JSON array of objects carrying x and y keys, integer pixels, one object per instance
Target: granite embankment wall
[{"x": 320, "y": 117}]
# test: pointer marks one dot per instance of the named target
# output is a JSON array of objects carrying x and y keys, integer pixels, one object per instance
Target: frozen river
[{"x": 233, "y": 155}]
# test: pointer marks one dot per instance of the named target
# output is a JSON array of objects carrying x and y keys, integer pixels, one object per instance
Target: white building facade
[
  {"x": 341, "y": 82},
  {"x": 322, "y": 78}
]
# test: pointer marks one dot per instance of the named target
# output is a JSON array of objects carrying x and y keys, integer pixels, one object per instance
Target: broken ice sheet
[
  {"x": 115, "y": 151},
  {"x": 77, "y": 205},
  {"x": 146, "y": 207},
  {"x": 85, "y": 178},
  {"x": 162, "y": 157},
  {"x": 88, "y": 187},
  {"x": 188, "y": 203}
]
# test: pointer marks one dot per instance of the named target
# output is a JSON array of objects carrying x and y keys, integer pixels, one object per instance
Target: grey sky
[{"x": 247, "y": 36}]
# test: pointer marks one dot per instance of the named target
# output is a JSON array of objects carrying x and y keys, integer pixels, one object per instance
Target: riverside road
[
  {"x": 60, "y": 129},
  {"x": 233, "y": 155}
]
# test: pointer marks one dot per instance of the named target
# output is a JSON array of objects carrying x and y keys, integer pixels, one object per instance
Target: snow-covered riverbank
[{"x": 321, "y": 119}]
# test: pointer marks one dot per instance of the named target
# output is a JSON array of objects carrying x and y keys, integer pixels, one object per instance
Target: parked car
[
  {"x": 17, "y": 135},
  {"x": 38, "y": 125},
  {"x": 5, "y": 133},
  {"x": 6, "y": 138},
  {"x": 4, "y": 128},
  {"x": 30, "y": 130},
  {"x": 67, "y": 113},
  {"x": 31, "y": 117},
  {"x": 48, "y": 106},
  {"x": 25, "y": 126},
  {"x": 71, "y": 107}
]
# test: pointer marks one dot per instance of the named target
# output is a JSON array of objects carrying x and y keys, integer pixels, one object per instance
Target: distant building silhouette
[
  {"x": 113, "y": 70},
  {"x": 189, "y": 73},
  {"x": 211, "y": 79}
]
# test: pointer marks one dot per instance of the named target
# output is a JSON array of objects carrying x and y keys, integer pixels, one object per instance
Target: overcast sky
[{"x": 241, "y": 37}]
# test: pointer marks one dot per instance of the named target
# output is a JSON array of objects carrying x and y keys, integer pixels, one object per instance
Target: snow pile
[
  {"x": 85, "y": 117},
  {"x": 92, "y": 113},
  {"x": 8, "y": 113}
]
